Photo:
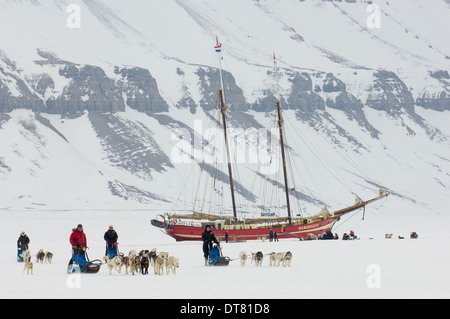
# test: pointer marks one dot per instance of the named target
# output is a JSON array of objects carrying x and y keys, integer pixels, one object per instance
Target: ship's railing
[{"x": 184, "y": 223}]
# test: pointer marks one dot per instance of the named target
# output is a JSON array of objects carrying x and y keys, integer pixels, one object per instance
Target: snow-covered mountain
[{"x": 95, "y": 96}]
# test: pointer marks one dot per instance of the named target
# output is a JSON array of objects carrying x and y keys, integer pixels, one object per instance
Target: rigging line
[
  {"x": 305, "y": 164},
  {"x": 347, "y": 159},
  {"x": 335, "y": 175},
  {"x": 351, "y": 216},
  {"x": 204, "y": 173},
  {"x": 262, "y": 149},
  {"x": 237, "y": 177},
  {"x": 183, "y": 188},
  {"x": 289, "y": 163}
]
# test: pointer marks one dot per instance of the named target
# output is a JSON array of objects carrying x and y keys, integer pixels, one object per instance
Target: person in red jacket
[
  {"x": 78, "y": 238},
  {"x": 79, "y": 244}
]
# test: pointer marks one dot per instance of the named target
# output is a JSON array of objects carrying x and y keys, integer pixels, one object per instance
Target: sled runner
[
  {"x": 216, "y": 258},
  {"x": 82, "y": 264}
]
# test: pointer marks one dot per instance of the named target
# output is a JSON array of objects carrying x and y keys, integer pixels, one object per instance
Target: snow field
[{"x": 377, "y": 268}]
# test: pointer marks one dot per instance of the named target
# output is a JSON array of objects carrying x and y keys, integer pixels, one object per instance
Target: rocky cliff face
[
  {"x": 89, "y": 88},
  {"x": 15, "y": 92},
  {"x": 374, "y": 93},
  {"x": 438, "y": 101}
]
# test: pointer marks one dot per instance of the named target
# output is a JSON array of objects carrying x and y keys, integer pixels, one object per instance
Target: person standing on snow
[
  {"x": 111, "y": 239},
  {"x": 208, "y": 239},
  {"x": 23, "y": 241},
  {"x": 22, "y": 245},
  {"x": 79, "y": 244}
]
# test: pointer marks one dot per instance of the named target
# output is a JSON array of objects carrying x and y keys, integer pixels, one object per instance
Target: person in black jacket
[
  {"x": 23, "y": 241},
  {"x": 110, "y": 238},
  {"x": 208, "y": 239},
  {"x": 22, "y": 245}
]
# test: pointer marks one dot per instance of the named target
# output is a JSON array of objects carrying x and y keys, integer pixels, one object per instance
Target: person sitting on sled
[
  {"x": 79, "y": 244},
  {"x": 111, "y": 239},
  {"x": 208, "y": 239}
]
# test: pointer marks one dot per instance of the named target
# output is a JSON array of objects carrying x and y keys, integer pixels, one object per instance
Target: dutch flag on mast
[{"x": 218, "y": 46}]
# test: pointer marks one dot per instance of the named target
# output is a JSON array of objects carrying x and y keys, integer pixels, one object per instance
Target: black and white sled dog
[
  {"x": 40, "y": 256},
  {"x": 48, "y": 257}
]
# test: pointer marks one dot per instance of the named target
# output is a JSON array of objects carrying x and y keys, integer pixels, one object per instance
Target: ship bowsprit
[{"x": 157, "y": 223}]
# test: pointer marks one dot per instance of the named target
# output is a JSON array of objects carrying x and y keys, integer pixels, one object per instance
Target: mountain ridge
[{"x": 110, "y": 98}]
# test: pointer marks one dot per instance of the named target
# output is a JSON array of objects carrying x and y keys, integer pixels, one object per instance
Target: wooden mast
[
  {"x": 223, "y": 110},
  {"x": 283, "y": 155}
]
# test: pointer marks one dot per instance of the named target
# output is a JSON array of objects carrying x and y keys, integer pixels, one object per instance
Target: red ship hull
[{"x": 194, "y": 233}]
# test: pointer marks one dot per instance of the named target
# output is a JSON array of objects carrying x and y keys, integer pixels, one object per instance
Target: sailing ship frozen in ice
[{"x": 189, "y": 227}]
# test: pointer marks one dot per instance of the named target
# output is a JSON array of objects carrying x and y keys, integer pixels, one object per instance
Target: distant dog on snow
[
  {"x": 388, "y": 236},
  {"x": 125, "y": 261},
  {"x": 145, "y": 263},
  {"x": 279, "y": 257},
  {"x": 48, "y": 257},
  {"x": 114, "y": 263},
  {"x": 287, "y": 259},
  {"x": 26, "y": 255},
  {"x": 243, "y": 257},
  {"x": 40, "y": 256},
  {"x": 135, "y": 264},
  {"x": 172, "y": 263},
  {"x": 272, "y": 257},
  {"x": 132, "y": 254},
  {"x": 159, "y": 263},
  {"x": 259, "y": 258},
  {"x": 152, "y": 256}
]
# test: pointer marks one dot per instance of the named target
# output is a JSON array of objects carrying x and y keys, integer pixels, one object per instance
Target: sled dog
[
  {"x": 259, "y": 258},
  {"x": 114, "y": 263},
  {"x": 243, "y": 257},
  {"x": 40, "y": 256},
  {"x": 172, "y": 264},
  {"x": 27, "y": 260},
  {"x": 272, "y": 259},
  {"x": 125, "y": 262},
  {"x": 48, "y": 257},
  {"x": 287, "y": 259},
  {"x": 145, "y": 263},
  {"x": 159, "y": 263}
]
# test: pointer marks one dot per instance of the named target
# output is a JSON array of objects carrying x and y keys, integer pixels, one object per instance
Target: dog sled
[
  {"x": 82, "y": 264},
  {"x": 112, "y": 251},
  {"x": 19, "y": 255},
  {"x": 216, "y": 258}
]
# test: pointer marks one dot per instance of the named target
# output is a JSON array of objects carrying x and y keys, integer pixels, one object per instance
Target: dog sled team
[
  {"x": 24, "y": 254},
  {"x": 140, "y": 263},
  {"x": 161, "y": 262},
  {"x": 115, "y": 260},
  {"x": 412, "y": 235},
  {"x": 275, "y": 259}
]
